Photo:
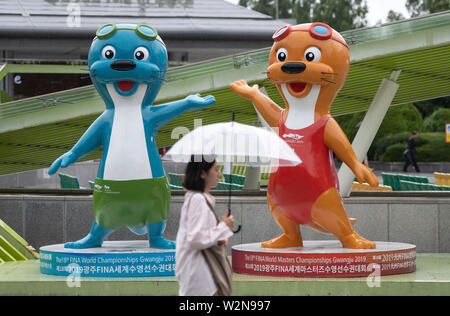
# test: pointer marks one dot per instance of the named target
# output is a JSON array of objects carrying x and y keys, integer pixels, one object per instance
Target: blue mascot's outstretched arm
[
  {"x": 165, "y": 113},
  {"x": 91, "y": 140}
]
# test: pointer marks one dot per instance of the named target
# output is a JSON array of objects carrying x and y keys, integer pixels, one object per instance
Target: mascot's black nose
[
  {"x": 293, "y": 68},
  {"x": 123, "y": 65}
]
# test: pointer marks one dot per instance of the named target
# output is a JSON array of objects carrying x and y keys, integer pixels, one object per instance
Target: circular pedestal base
[
  {"x": 113, "y": 259},
  {"x": 324, "y": 259}
]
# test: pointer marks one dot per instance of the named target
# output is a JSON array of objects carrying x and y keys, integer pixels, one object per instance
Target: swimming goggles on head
[
  {"x": 320, "y": 31},
  {"x": 142, "y": 30}
]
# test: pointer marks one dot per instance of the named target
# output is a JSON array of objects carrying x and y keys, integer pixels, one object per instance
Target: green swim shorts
[{"x": 132, "y": 203}]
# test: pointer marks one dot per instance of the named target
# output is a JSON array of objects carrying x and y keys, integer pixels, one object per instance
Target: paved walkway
[{"x": 432, "y": 277}]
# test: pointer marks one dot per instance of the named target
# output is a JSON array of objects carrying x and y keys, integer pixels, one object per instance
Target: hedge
[
  {"x": 436, "y": 121},
  {"x": 399, "y": 119},
  {"x": 430, "y": 147}
]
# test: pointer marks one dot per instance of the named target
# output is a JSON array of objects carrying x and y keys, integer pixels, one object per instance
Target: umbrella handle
[
  {"x": 229, "y": 192},
  {"x": 238, "y": 229}
]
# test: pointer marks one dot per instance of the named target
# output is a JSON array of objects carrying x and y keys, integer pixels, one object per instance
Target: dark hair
[{"x": 194, "y": 168}]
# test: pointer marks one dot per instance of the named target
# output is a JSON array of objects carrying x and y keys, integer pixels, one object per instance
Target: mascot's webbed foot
[
  {"x": 282, "y": 241},
  {"x": 354, "y": 241},
  {"x": 86, "y": 242},
  {"x": 162, "y": 243},
  {"x": 93, "y": 239},
  {"x": 155, "y": 236}
]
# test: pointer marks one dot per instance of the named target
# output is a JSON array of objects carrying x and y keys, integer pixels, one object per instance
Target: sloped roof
[
  {"x": 33, "y": 132},
  {"x": 172, "y": 18}
]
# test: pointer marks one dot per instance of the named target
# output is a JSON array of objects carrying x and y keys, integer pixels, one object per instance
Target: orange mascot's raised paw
[{"x": 308, "y": 63}]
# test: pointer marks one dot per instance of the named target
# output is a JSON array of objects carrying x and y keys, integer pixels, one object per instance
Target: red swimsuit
[{"x": 295, "y": 189}]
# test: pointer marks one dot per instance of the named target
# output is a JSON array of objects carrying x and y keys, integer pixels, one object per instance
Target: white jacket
[{"x": 198, "y": 230}]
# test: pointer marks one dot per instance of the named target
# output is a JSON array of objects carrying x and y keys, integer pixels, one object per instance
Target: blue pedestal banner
[{"x": 113, "y": 259}]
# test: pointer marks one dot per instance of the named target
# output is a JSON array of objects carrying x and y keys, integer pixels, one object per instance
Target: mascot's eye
[
  {"x": 108, "y": 52},
  {"x": 313, "y": 54},
  {"x": 141, "y": 53},
  {"x": 282, "y": 54}
]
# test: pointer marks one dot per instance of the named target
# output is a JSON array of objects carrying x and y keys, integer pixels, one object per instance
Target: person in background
[
  {"x": 410, "y": 153},
  {"x": 199, "y": 229}
]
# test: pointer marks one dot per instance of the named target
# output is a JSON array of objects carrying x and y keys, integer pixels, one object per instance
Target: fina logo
[
  {"x": 98, "y": 188},
  {"x": 293, "y": 138}
]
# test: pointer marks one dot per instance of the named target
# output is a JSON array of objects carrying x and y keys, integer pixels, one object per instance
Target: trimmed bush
[
  {"x": 393, "y": 153},
  {"x": 402, "y": 118},
  {"x": 436, "y": 121},
  {"x": 430, "y": 147},
  {"x": 397, "y": 126},
  {"x": 381, "y": 146},
  {"x": 434, "y": 149}
]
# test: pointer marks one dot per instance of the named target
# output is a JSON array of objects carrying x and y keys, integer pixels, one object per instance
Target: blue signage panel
[{"x": 109, "y": 263}]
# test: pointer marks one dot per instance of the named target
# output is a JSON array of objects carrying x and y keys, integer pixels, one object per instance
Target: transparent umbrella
[{"x": 234, "y": 144}]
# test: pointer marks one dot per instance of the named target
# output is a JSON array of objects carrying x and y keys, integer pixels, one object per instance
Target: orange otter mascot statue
[{"x": 308, "y": 63}]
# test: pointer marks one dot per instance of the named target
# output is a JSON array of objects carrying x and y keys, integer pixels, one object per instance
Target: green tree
[
  {"x": 244, "y": 3},
  {"x": 342, "y": 15},
  {"x": 427, "y": 107},
  {"x": 303, "y": 11},
  {"x": 394, "y": 16},
  {"x": 264, "y": 6},
  {"x": 268, "y": 7},
  {"x": 421, "y": 7}
]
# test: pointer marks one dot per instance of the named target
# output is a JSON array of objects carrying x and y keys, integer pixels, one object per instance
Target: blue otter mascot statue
[{"x": 127, "y": 64}]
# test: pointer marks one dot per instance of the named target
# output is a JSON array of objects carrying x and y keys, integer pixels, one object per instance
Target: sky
[{"x": 378, "y": 9}]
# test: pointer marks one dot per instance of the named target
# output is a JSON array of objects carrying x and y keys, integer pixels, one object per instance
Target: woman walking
[{"x": 199, "y": 229}]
